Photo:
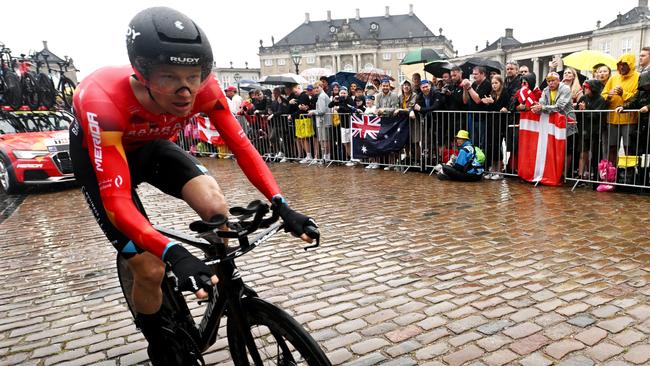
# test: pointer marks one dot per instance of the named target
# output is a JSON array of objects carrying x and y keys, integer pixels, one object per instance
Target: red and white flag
[
  {"x": 207, "y": 132},
  {"x": 542, "y": 147}
]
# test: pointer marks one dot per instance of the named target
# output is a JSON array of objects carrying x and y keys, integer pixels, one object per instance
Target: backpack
[{"x": 479, "y": 155}]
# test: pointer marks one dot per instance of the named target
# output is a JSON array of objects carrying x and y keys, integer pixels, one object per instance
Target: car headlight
[{"x": 29, "y": 154}]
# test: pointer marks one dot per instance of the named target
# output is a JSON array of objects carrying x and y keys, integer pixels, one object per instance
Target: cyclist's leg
[{"x": 179, "y": 174}]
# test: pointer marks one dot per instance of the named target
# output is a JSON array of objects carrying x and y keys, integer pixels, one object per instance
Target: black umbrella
[
  {"x": 490, "y": 65},
  {"x": 437, "y": 68}
]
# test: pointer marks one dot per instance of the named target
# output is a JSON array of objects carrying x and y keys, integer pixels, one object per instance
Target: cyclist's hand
[
  {"x": 296, "y": 223},
  {"x": 191, "y": 273}
]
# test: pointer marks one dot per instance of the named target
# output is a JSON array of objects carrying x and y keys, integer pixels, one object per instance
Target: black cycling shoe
[{"x": 168, "y": 345}]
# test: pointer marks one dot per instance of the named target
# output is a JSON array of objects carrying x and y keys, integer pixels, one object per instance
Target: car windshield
[{"x": 12, "y": 122}]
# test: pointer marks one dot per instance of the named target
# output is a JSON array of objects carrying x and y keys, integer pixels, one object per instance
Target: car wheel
[{"x": 8, "y": 181}]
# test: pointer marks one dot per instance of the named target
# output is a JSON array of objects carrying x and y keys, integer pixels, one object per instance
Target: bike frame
[{"x": 230, "y": 290}]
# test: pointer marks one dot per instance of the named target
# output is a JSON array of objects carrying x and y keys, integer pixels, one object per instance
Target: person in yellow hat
[{"x": 468, "y": 166}]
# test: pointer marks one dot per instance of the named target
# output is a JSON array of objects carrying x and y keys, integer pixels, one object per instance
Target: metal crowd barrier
[{"x": 599, "y": 140}]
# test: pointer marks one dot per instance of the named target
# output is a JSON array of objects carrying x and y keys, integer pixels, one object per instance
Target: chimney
[
  {"x": 598, "y": 24},
  {"x": 358, "y": 16},
  {"x": 387, "y": 15},
  {"x": 509, "y": 33},
  {"x": 45, "y": 45},
  {"x": 411, "y": 10},
  {"x": 306, "y": 18},
  {"x": 643, "y": 4},
  {"x": 329, "y": 16}
]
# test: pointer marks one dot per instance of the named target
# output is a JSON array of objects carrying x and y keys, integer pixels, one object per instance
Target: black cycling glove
[
  {"x": 192, "y": 274},
  {"x": 294, "y": 222}
]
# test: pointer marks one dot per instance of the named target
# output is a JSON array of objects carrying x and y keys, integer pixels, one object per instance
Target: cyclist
[{"x": 125, "y": 119}]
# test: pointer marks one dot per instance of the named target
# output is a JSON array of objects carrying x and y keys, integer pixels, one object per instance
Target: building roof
[
  {"x": 504, "y": 42},
  {"x": 391, "y": 27},
  {"x": 633, "y": 16}
]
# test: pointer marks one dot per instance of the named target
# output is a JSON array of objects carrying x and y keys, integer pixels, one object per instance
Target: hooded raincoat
[{"x": 629, "y": 83}]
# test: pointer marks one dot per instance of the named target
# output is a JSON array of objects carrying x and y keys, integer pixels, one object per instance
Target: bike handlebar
[{"x": 248, "y": 220}]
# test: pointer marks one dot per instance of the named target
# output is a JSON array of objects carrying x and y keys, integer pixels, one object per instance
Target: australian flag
[{"x": 374, "y": 136}]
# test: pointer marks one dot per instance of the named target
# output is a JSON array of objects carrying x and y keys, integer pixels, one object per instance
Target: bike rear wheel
[
  {"x": 12, "y": 94},
  {"x": 66, "y": 91},
  {"x": 279, "y": 338},
  {"x": 46, "y": 92},
  {"x": 30, "y": 91}
]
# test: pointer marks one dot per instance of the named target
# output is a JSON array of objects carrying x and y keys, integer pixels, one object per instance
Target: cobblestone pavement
[{"x": 412, "y": 271}]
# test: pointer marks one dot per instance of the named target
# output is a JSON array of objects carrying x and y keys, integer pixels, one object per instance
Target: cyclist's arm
[
  {"x": 104, "y": 141},
  {"x": 248, "y": 158}
]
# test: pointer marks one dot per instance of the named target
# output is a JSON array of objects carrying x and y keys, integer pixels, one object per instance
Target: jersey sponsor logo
[
  {"x": 158, "y": 131},
  {"x": 118, "y": 181},
  {"x": 105, "y": 184},
  {"x": 184, "y": 60},
  {"x": 131, "y": 34},
  {"x": 179, "y": 25},
  {"x": 95, "y": 133}
]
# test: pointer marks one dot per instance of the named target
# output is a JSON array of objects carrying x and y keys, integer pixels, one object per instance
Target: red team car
[{"x": 34, "y": 149}]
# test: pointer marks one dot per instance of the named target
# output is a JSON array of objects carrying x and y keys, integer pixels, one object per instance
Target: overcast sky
[{"x": 92, "y": 32}]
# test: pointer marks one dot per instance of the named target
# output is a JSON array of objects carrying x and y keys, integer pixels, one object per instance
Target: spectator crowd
[{"x": 316, "y": 122}]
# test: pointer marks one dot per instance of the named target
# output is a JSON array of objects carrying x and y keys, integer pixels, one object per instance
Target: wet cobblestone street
[{"x": 411, "y": 271}]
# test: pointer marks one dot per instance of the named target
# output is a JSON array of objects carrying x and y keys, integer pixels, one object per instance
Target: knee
[{"x": 150, "y": 275}]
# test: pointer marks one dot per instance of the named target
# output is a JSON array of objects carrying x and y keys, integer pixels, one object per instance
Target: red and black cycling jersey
[{"x": 115, "y": 123}]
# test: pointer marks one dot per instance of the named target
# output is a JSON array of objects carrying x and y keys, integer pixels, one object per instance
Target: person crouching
[{"x": 466, "y": 166}]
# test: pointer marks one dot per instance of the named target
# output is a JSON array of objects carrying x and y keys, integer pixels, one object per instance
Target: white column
[
  {"x": 374, "y": 59},
  {"x": 354, "y": 62},
  {"x": 334, "y": 69},
  {"x": 338, "y": 63},
  {"x": 536, "y": 68}
]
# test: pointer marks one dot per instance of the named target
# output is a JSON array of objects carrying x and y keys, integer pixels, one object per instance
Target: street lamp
[
  {"x": 237, "y": 77},
  {"x": 296, "y": 57}
]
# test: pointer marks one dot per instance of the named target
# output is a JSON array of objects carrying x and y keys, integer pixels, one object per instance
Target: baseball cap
[
  {"x": 231, "y": 88},
  {"x": 310, "y": 87},
  {"x": 425, "y": 81}
]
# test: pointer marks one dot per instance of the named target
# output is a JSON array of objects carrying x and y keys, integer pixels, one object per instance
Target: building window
[
  {"x": 401, "y": 55},
  {"x": 268, "y": 62},
  {"x": 328, "y": 68},
  {"x": 311, "y": 60},
  {"x": 386, "y": 56},
  {"x": 606, "y": 47},
  {"x": 401, "y": 76},
  {"x": 282, "y": 62},
  {"x": 368, "y": 66},
  {"x": 348, "y": 68},
  {"x": 626, "y": 45}
]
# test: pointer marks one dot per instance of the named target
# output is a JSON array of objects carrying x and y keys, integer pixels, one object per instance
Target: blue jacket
[{"x": 466, "y": 160}]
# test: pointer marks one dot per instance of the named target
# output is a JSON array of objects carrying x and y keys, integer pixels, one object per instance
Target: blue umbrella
[{"x": 345, "y": 78}]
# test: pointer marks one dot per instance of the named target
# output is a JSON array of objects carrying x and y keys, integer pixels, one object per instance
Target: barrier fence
[{"x": 601, "y": 146}]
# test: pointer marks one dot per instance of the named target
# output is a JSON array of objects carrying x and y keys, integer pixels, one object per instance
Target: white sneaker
[
  {"x": 496, "y": 176},
  {"x": 387, "y": 168},
  {"x": 284, "y": 160},
  {"x": 375, "y": 166},
  {"x": 305, "y": 160},
  {"x": 369, "y": 166},
  {"x": 350, "y": 163},
  {"x": 487, "y": 176}
]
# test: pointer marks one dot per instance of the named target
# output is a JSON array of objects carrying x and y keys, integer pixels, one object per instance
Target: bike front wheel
[{"x": 280, "y": 340}]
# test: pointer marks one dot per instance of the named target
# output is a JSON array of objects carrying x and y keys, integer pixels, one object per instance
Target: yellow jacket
[{"x": 629, "y": 83}]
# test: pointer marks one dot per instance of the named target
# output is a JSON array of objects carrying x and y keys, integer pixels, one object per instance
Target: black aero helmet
[{"x": 164, "y": 36}]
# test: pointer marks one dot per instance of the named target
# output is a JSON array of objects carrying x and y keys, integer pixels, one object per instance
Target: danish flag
[{"x": 542, "y": 147}]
